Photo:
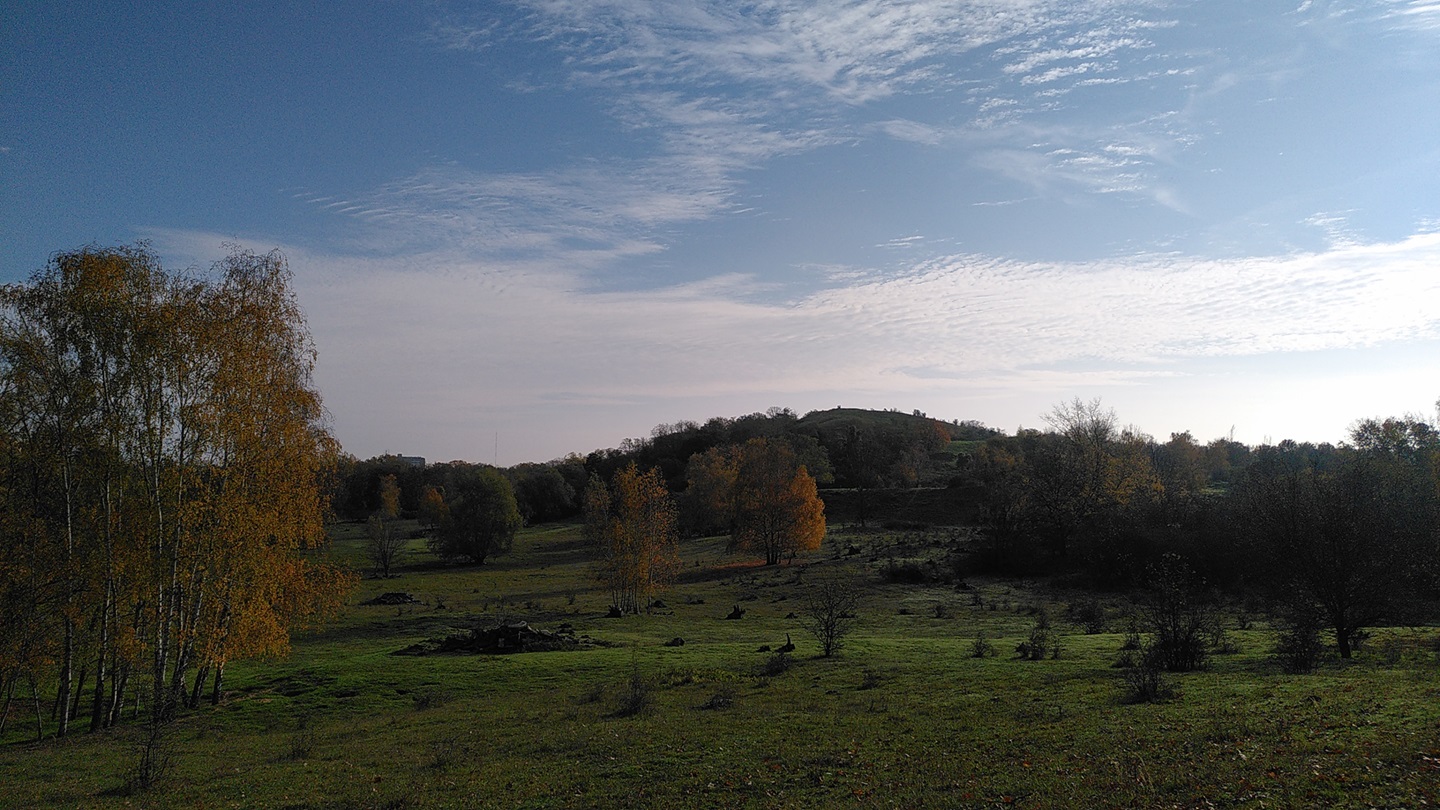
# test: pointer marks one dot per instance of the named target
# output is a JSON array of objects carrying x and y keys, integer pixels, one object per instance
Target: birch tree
[
  {"x": 632, "y": 524},
  {"x": 163, "y": 445}
]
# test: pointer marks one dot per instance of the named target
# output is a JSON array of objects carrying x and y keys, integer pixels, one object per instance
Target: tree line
[
  {"x": 1329, "y": 536},
  {"x": 1341, "y": 537},
  {"x": 844, "y": 448},
  {"x": 759, "y": 493}
]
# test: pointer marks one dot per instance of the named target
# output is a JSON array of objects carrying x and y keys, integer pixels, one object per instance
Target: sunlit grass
[{"x": 905, "y": 716}]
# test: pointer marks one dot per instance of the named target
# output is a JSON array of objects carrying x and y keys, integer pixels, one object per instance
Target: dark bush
[
  {"x": 777, "y": 664},
  {"x": 1089, "y": 614},
  {"x": 1146, "y": 681},
  {"x": 905, "y": 573},
  {"x": 1298, "y": 647}
]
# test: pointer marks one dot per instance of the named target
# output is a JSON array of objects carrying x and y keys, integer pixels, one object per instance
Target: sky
[{"x": 524, "y": 229}]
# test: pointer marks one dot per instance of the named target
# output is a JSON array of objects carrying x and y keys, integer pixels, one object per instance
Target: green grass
[{"x": 904, "y": 716}]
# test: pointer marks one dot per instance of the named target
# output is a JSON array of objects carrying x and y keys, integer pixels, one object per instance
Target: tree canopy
[
  {"x": 631, "y": 525},
  {"x": 162, "y": 449},
  {"x": 479, "y": 517},
  {"x": 761, "y": 493}
]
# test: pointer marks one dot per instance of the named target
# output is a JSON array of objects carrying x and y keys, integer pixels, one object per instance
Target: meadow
[{"x": 905, "y": 715}]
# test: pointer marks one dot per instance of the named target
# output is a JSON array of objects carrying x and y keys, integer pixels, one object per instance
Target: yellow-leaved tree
[
  {"x": 631, "y": 524},
  {"x": 160, "y": 474}
]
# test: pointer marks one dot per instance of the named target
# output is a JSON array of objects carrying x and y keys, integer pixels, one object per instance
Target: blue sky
[{"x": 521, "y": 229}]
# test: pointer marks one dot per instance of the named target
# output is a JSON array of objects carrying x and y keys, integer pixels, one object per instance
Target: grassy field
[{"x": 904, "y": 716}]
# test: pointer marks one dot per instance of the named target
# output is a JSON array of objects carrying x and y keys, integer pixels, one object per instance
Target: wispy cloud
[
  {"x": 1026, "y": 90},
  {"x": 468, "y": 345},
  {"x": 446, "y": 335},
  {"x": 726, "y": 89},
  {"x": 1416, "y": 14}
]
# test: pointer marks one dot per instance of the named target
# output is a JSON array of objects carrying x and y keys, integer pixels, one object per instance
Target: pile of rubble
[
  {"x": 393, "y": 598},
  {"x": 506, "y": 637}
]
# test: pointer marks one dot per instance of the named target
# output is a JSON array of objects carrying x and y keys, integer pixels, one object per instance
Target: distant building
[{"x": 413, "y": 461}]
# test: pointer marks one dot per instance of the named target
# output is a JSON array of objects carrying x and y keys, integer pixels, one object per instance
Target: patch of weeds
[
  {"x": 1392, "y": 651},
  {"x": 679, "y": 676},
  {"x": 1229, "y": 726},
  {"x": 636, "y": 697},
  {"x": 303, "y": 740},
  {"x": 1041, "y": 641},
  {"x": 942, "y": 610},
  {"x": 594, "y": 694},
  {"x": 870, "y": 679},
  {"x": 432, "y": 698},
  {"x": 981, "y": 647},
  {"x": 777, "y": 664},
  {"x": 723, "y": 698},
  {"x": 1040, "y": 713},
  {"x": 446, "y": 753}
]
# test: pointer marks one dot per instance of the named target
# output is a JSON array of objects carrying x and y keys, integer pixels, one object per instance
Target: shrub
[
  {"x": 156, "y": 758},
  {"x": 829, "y": 612},
  {"x": 636, "y": 697},
  {"x": 1180, "y": 616},
  {"x": 1146, "y": 681},
  {"x": 906, "y": 573},
  {"x": 1041, "y": 640},
  {"x": 777, "y": 664},
  {"x": 981, "y": 646},
  {"x": 1089, "y": 614},
  {"x": 1297, "y": 639}
]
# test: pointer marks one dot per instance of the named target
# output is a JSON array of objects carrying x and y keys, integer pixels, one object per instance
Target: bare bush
[
  {"x": 1147, "y": 681},
  {"x": 829, "y": 613}
]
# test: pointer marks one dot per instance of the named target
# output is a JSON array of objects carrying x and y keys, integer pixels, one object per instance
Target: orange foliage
[
  {"x": 177, "y": 544},
  {"x": 767, "y": 496}
]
